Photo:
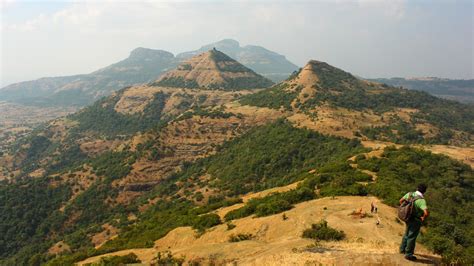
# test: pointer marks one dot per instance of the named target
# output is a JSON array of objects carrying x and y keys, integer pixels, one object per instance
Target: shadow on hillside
[
  {"x": 427, "y": 259},
  {"x": 320, "y": 249}
]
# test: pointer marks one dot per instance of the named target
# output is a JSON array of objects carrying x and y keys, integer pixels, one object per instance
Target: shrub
[
  {"x": 240, "y": 237},
  {"x": 322, "y": 231},
  {"x": 230, "y": 226},
  {"x": 117, "y": 260},
  {"x": 167, "y": 259},
  {"x": 206, "y": 221},
  {"x": 272, "y": 207},
  {"x": 245, "y": 211}
]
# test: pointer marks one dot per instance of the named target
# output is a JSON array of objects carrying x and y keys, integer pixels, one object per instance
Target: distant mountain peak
[
  {"x": 227, "y": 42},
  {"x": 213, "y": 70},
  {"x": 140, "y": 53},
  {"x": 261, "y": 60}
]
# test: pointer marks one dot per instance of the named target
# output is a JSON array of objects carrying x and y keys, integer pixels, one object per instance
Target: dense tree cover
[
  {"x": 37, "y": 146},
  {"x": 113, "y": 165},
  {"x": 270, "y": 156},
  {"x": 37, "y": 150},
  {"x": 154, "y": 224},
  {"x": 34, "y": 206},
  {"x": 25, "y": 209},
  {"x": 450, "y": 196},
  {"x": 102, "y": 118},
  {"x": 274, "y": 97},
  {"x": 339, "y": 178},
  {"x": 322, "y": 231},
  {"x": 401, "y": 132}
]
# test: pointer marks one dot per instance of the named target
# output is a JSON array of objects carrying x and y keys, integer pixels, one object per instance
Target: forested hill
[{"x": 396, "y": 115}]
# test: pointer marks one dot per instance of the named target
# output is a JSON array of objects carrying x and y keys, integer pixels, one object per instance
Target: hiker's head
[{"x": 421, "y": 188}]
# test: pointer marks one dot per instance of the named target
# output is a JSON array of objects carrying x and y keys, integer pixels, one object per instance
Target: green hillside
[
  {"x": 188, "y": 152},
  {"x": 260, "y": 159},
  {"x": 340, "y": 89}
]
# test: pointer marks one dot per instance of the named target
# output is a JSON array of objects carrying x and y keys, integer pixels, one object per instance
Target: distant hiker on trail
[
  {"x": 373, "y": 208},
  {"x": 413, "y": 211}
]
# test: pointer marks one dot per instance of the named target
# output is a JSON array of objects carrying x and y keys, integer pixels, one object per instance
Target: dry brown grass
[
  {"x": 278, "y": 241},
  {"x": 205, "y": 71}
]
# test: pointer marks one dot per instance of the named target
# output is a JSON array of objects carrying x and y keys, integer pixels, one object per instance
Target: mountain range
[
  {"x": 142, "y": 66},
  {"x": 211, "y": 161},
  {"x": 461, "y": 90}
]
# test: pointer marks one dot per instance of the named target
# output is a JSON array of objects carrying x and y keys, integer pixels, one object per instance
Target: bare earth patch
[
  {"x": 58, "y": 248},
  {"x": 108, "y": 233}
]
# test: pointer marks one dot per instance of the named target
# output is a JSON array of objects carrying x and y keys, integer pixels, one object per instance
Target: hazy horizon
[{"x": 372, "y": 39}]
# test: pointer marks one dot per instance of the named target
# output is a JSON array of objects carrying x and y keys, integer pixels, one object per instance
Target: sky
[{"x": 385, "y": 38}]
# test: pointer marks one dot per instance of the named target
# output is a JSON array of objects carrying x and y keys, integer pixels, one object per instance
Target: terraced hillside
[{"x": 213, "y": 70}]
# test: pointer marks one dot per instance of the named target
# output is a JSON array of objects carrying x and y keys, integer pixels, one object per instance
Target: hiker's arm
[
  {"x": 402, "y": 200},
  {"x": 425, "y": 214}
]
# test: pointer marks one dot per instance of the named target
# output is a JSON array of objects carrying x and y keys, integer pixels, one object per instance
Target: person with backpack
[{"x": 413, "y": 210}]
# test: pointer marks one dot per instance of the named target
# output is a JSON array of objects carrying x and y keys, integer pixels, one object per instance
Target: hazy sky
[{"x": 367, "y": 38}]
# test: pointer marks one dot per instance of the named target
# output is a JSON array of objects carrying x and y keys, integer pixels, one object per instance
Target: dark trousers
[{"x": 409, "y": 238}]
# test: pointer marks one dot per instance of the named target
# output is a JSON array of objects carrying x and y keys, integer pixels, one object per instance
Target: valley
[
  {"x": 17, "y": 120},
  {"x": 167, "y": 166}
]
